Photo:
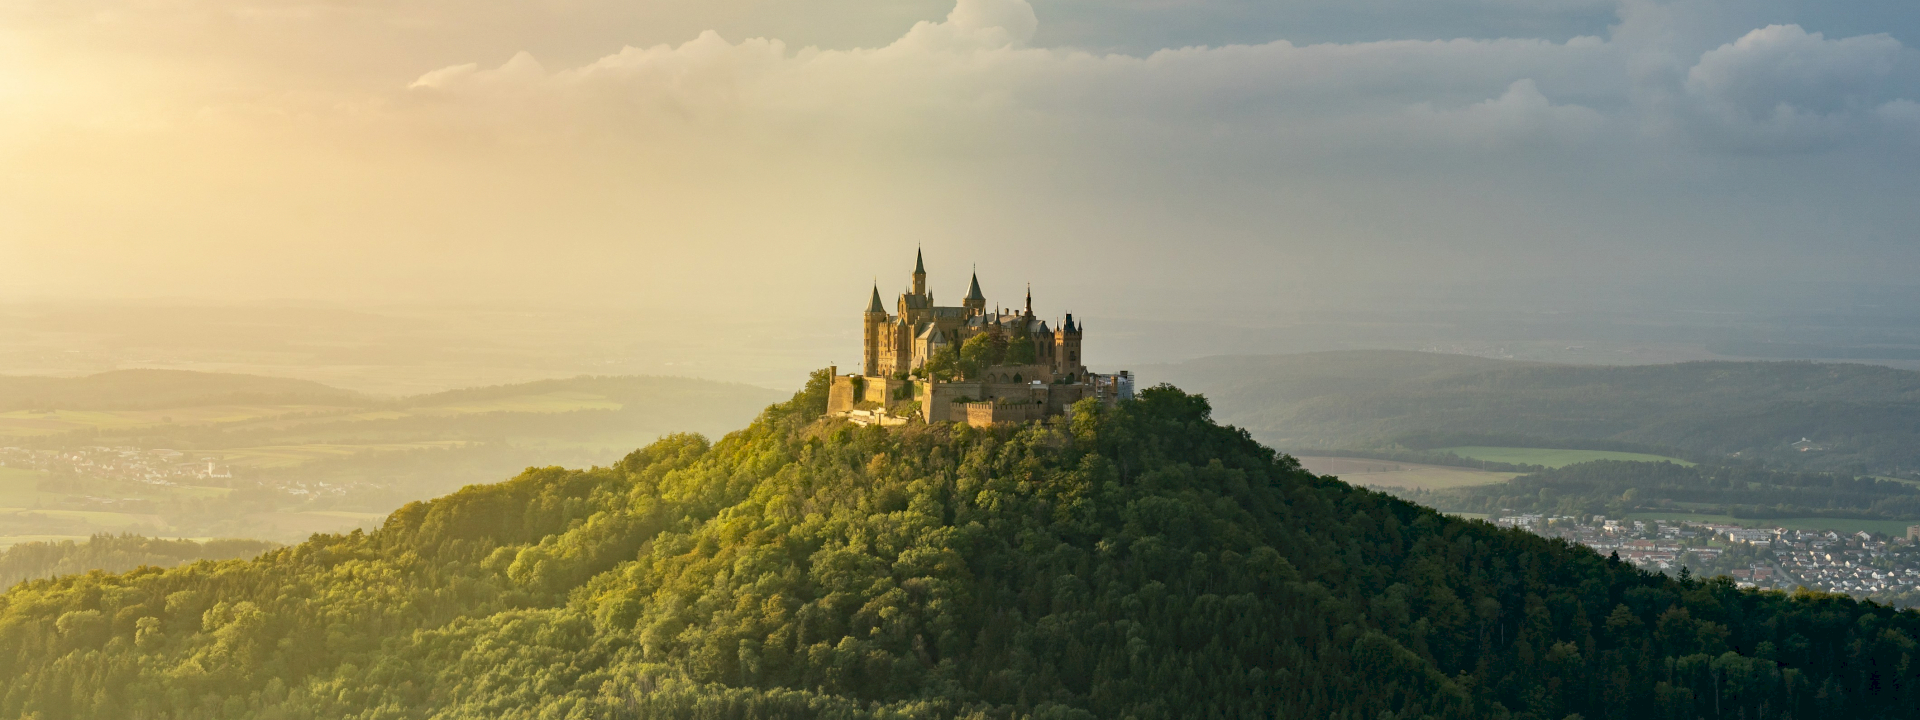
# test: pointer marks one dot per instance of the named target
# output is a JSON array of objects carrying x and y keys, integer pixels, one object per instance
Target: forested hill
[
  {"x": 1861, "y": 418},
  {"x": 1138, "y": 562}
]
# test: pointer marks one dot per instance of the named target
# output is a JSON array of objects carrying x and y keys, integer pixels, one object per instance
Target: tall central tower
[{"x": 919, "y": 275}]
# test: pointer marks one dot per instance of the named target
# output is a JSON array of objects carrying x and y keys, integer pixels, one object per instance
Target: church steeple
[
  {"x": 874, "y": 306},
  {"x": 919, "y": 273}
]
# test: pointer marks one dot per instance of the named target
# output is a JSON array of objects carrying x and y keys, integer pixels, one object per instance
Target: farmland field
[
  {"x": 552, "y": 402},
  {"x": 1551, "y": 457},
  {"x": 18, "y": 487},
  {"x": 1389, "y": 473},
  {"x": 280, "y": 456},
  {"x": 36, "y": 423}
]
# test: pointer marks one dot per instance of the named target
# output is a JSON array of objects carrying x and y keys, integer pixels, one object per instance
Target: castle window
[
  {"x": 1016, "y": 378},
  {"x": 1073, "y": 355}
]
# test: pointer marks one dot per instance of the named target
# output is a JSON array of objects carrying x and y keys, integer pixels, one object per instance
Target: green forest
[{"x": 1135, "y": 561}]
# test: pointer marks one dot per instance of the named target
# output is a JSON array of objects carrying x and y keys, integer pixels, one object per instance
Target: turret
[{"x": 976, "y": 302}]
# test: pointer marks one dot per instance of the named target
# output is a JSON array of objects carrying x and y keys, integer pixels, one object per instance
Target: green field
[
  {"x": 1390, "y": 473},
  {"x": 1890, "y": 527},
  {"x": 1551, "y": 457}
]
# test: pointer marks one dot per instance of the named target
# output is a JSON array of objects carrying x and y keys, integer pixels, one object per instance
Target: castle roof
[
  {"x": 1070, "y": 326},
  {"x": 919, "y": 265},
  {"x": 874, "y": 304},
  {"x": 973, "y": 290}
]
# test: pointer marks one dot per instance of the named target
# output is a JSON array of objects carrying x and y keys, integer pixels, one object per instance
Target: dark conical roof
[
  {"x": 919, "y": 265},
  {"x": 874, "y": 305},
  {"x": 973, "y": 291}
]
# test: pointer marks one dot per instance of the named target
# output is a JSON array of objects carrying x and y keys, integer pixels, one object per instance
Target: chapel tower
[{"x": 874, "y": 322}]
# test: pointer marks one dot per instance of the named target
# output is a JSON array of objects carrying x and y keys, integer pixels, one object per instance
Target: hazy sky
[{"x": 773, "y": 157}]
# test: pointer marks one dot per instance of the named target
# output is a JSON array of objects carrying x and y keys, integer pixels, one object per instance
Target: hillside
[
  {"x": 1860, "y": 417},
  {"x": 1139, "y": 562}
]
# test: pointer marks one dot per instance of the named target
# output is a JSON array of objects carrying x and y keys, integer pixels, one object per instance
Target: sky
[{"x": 762, "y": 158}]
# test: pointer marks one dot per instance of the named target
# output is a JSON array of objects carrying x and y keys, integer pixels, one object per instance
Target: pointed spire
[
  {"x": 874, "y": 306},
  {"x": 973, "y": 289},
  {"x": 1029, "y": 299},
  {"x": 919, "y": 263}
]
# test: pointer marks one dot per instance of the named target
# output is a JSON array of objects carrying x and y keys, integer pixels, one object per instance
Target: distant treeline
[
  {"x": 114, "y": 553},
  {"x": 1434, "y": 440}
]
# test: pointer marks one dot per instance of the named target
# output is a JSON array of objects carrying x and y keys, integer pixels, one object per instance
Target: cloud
[{"x": 1675, "y": 139}]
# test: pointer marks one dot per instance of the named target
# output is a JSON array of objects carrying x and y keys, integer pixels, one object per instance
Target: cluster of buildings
[
  {"x": 1859, "y": 564},
  {"x": 908, "y": 362},
  {"x": 150, "y": 466}
]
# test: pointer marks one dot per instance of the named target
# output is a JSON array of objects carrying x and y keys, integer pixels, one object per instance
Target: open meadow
[{"x": 1390, "y": 473}]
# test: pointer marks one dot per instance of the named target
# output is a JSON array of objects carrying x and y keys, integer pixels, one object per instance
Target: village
[
  {"x": 142, "y": 465},
  {"x": 1861, "y": 564}
]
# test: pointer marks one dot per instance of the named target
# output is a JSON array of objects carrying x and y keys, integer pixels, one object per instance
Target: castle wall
[
  {"x": 982, "y": 414},
  {"x": 840, "y": 395}
]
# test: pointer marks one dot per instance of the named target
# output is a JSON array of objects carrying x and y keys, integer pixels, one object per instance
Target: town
[{"x": 1861, "y": 564}]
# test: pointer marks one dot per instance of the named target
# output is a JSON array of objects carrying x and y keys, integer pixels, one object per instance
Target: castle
[{"x": 965, "y": 363}]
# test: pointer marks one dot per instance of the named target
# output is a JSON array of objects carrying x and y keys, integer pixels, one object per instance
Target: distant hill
[
  {"x": 1140, "y": 562},
  {"x": 1860, "y": 417},
  {"x": 295, "y": 457},
  {"x": 150, "y": 389}
]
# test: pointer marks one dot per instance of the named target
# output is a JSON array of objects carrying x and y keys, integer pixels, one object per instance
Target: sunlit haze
[{"x": 744, "y": 161}]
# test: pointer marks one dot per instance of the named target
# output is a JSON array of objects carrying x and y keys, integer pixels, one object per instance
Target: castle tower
[
  {"x": 919, "y": 274},
  {"x": 874, "y": 322},
  {"x": 975, "y": 303},
  {"x": 1067, "y": 360}
]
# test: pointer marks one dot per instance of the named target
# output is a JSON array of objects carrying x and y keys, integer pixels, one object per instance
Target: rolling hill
[{"x": 1856, "y": 417}]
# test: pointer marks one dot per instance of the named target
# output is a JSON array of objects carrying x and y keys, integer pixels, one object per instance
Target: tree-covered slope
[{"x": 1137, "y": 562}]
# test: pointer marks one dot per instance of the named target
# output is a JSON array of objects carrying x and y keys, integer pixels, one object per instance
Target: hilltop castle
[{"x": 965, "y": 363}]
